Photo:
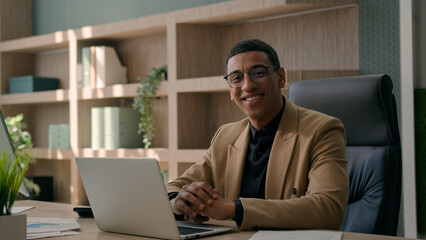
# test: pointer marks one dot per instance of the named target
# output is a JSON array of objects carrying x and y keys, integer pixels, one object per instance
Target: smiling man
[{"x": 282, "y": 167}]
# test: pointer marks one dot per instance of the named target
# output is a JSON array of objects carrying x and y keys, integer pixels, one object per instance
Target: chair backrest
[{"x": 367, "y": 109}]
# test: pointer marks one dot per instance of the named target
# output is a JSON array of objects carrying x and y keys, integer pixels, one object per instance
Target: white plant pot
[{"x": 13, "y": 227}]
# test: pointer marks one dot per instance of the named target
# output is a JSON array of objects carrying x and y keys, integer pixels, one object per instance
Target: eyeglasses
[{"x": 257, "y": 74}]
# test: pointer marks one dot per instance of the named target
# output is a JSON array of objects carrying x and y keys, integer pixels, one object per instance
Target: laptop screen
[{"x": 7, "y": 145}]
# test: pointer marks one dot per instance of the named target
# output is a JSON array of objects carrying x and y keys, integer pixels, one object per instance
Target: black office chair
[{"x": 367, "y": 109}]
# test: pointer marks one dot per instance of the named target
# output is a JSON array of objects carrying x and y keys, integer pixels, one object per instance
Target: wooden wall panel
[
  {"x": 13, "y": 65},
  {"x": 16, "y": 19},
  {"x": 139, "y": 55},
  {"x": 197, "y": 50},
  {"x": 193, "y": 121},
  {"x": 53, "y": 64},
  {"x": 323, "y": 40}
]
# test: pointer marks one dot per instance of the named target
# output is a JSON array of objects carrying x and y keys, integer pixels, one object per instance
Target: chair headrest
[{"x": 364, "y": 104}]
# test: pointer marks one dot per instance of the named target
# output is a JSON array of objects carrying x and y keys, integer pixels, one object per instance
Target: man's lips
[{"x": 252, "y": 98}]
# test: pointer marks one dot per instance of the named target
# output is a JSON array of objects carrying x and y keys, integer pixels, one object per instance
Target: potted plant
[
  {"x": 143, "y": 102},
  {"x": 21, "y": 140},
  {"x": 12, "y": 172}
]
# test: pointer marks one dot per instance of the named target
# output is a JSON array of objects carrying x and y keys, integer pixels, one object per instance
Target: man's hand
[
  {"x": 220, "y": 209},
  {"x": 192, "y": 199}
]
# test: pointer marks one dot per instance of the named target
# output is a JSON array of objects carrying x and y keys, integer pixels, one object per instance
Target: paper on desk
[
  {"x": 297, "y": 235},
  {"x": 21, "y": 209},
  {"x": 50, "y": 227},
  {"x": 51, "y": 234}
]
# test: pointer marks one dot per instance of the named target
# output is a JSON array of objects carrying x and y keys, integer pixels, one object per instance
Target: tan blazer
[{"x": 306, "y": 181}]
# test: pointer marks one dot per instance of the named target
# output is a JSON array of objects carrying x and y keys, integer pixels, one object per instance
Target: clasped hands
[{"x": 200, "y": 201}]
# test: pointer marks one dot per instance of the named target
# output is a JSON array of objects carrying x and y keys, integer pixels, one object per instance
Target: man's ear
[{"x": 282, "y": 77}]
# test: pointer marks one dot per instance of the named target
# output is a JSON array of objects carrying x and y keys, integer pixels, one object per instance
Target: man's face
[{"x": 260, "y": 100}]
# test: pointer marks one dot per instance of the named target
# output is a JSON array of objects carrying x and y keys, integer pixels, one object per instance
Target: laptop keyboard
[{"x": 191, "y": 230}]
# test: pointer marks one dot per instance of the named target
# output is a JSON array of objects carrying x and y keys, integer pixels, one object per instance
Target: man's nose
[{"x": 248, "y": 83}]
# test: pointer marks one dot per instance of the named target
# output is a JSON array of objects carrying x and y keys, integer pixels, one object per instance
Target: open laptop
[
  {"x": 127, "y": 195},
  {"x": 7, "y": 145}
]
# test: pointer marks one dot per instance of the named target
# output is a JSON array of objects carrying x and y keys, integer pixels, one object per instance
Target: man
[{"x": 283, "y": 167}]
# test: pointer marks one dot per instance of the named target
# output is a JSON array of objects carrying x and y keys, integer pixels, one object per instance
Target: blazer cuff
[
  {"x": 239, "y": 212},
  {"x": 177, "y": 217}
]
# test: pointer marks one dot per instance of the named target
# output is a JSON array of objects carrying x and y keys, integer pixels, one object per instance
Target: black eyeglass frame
[{"x": 274, "y": 68}]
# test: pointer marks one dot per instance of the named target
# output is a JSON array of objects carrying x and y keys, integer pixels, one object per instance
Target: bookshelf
[{"x": 313, "y": 38}]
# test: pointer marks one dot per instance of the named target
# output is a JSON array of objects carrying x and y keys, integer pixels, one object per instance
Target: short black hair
[{"x": 255, "y": 45}]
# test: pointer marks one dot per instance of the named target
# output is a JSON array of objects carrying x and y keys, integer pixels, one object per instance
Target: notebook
[
  {"x": 7, "y": 145},
  {"x": 128, "y": 195}
]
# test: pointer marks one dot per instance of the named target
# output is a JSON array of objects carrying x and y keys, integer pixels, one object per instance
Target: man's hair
[{"x": 254, "y": 45}]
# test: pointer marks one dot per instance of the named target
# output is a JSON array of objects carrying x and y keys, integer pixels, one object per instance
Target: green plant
[
  {"x": 12, "y": 172},
  {"x": 144, "y": 102},
  {"x": 21, "y": 140}
]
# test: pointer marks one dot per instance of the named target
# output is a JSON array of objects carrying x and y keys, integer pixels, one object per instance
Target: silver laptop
[
  {"x": 7, "y": 145},
  {"x": 127, "y": 195}
]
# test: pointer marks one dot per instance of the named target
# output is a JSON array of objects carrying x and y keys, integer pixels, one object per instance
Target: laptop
[
  {"x": 7, "y": 145},
  {"x": 128, "y": 195}
]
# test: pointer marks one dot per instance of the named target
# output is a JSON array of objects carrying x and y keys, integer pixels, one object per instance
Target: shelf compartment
[
  {"x": 138, "y": 54},
  {"x": 201, "y": 114},
  {"x": 61, "y": 173},
  {"x": 318, "y": 40},
  {"x": 160, "y": 112},
  {"x": 54, "y": 64},
  {"x": 38, "y": 117}
]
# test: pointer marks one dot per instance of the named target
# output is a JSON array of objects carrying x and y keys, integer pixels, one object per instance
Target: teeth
[{"x": 253, "y": 98}]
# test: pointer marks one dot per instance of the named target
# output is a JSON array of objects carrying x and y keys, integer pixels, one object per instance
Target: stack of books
[
  {"x": 100, "y": 67},
  {"x": 115, "y": 127}
]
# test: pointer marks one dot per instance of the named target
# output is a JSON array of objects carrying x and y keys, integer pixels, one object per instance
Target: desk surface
[{"x": 90, "y": 231}]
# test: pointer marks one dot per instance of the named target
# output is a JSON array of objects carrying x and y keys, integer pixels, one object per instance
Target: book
[
  {"x": 121, "y": 128},
  {"x": 85, "y": 61},
  {"x": 59, "y": 136},
  {"x": 108, "y": 67},
  {"x": 97, "y": 124},
  {"x": 79, "y": 75},
  {"x": 92, "y": 78}
]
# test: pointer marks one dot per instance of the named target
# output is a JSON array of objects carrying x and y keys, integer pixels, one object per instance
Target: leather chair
[{"x": 367, "y": 109}]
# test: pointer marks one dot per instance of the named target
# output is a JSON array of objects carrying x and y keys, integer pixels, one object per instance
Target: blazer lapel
[
  {"x": 235, "y": 165},
  {"x": 281, "y": 152}
]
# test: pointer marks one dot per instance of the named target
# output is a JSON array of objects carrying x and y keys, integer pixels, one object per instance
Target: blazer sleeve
[{"x": 323, "y": 204}]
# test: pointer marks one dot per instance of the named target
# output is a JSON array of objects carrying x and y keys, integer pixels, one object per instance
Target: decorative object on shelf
[
  {"x": 120, "y": 128},
  {"x": 25, "y": 84},
  {"x": 98, "y": 129},
  {"x": 21, "y": 140},
  {"x": 114, "y": 127},
  {"x": 59, "y": 136},
  {"x": 101, "y": 67},
  {"x": 144, "y": 101},
  {"x": 12, "y": 172}
]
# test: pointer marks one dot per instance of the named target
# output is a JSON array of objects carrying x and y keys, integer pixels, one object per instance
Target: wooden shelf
[
  {"x": 59, "y": 95},
  {"x": 313, "y": 39},
  {"x": 118, "y": 91},
  {"x": 46, "y": 153}
]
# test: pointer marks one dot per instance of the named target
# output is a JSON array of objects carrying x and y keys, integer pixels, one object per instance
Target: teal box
[
  {"x": 59, "y": 136},
  {"x": 24, "y": 84}
]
